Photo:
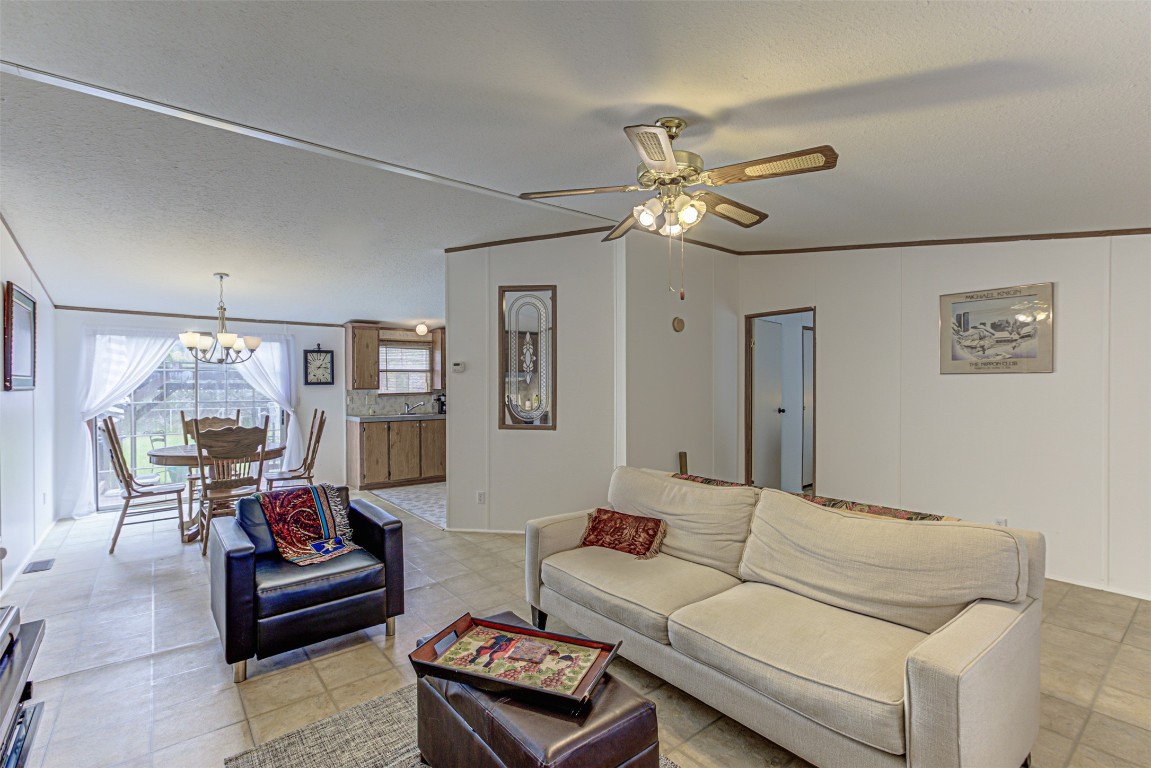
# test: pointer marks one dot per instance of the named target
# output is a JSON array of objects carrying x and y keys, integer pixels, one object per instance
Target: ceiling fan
[{"x": 671, "y": 171}]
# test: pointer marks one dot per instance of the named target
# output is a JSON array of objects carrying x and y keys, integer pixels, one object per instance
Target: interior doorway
[{"x": 779, "y": 392}]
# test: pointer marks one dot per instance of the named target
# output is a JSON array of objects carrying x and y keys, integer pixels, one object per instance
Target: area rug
[
  {"x": 380, "y": 733},
  {"x": 428, "y": 502}
]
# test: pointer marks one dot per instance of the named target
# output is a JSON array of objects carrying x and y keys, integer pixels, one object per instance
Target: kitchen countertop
[{"x": 399, "y": 417}]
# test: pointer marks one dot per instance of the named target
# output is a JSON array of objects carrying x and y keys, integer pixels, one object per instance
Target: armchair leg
[
  {"x": 390, "y": 627},
  {"x": 539, "y": 618},
  {"x": 240, "y": 671}
]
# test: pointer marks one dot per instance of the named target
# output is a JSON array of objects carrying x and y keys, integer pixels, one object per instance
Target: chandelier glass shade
[{"x": 224, "y": 348}]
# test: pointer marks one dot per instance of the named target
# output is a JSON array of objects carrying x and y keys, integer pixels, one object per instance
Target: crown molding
[{"x": 826, "y": 248}]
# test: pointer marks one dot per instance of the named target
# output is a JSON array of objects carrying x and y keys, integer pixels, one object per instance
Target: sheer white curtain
[
  {"x": 118, "y": 362},
  {"x": 269, "y": 372}
]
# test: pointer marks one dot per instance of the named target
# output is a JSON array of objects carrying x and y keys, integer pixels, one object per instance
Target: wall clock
[{"x": 318, "y": 366}]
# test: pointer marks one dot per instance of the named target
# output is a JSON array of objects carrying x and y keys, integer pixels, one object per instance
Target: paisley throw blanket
[{"x": 309, "y": 523}]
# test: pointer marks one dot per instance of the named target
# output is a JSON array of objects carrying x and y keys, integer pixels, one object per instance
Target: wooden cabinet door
[
  {"x": 374, "y": 450},
  {"x": 404, "y": 450},
  {"x": 433, "y": 448},
  {"x": 364, "y": 356}
]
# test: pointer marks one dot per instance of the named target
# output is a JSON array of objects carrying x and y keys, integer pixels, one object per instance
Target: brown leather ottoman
[{"x": 462, "y": 727}]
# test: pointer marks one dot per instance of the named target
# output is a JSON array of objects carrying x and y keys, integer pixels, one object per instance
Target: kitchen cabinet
[
  {"x": 386, "y": 452},
  {"x": 433, "y": 448},
  {"x": 362, "y": 351},
  {"x": 375, "y": 453},
  {"x": 404, "y": 450}
]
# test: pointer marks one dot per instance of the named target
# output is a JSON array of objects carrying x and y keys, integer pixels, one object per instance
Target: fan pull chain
[
  {"x": 681, "y": 292},
  {"x": 669, "y": 286}
]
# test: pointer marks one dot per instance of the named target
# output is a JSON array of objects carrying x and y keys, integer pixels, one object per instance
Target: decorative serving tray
[{"x": 555, "y": 671}]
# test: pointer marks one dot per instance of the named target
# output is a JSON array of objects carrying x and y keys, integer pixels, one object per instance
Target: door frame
[
  {"x": 749, "y": 385},
  {"x": 803, "y": 441}
]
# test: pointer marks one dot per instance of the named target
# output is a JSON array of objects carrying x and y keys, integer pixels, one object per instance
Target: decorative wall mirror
[{"x": 527, "y": 356}]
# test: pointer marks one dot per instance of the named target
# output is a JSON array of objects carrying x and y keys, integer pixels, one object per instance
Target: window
[
  {"x": 149, "y": 418},
  {"x": 405, "y": 368}
]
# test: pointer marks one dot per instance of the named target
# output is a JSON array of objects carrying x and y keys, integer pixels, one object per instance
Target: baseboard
[
  {"x": 480, "y": 530},
  {"x": 1101, "y": 588},
  {"x": 28, "y": 559}
]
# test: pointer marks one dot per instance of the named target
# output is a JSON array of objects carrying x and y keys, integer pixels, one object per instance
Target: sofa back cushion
[
  {"x": 917, "y": 574},
  {"x": 706, "y": 524}
]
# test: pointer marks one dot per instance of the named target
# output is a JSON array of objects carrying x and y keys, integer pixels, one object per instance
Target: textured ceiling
[{"x": 951, "y": 120}]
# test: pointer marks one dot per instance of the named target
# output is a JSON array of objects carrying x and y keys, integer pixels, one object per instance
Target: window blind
[{"x": 405, "y": 368}]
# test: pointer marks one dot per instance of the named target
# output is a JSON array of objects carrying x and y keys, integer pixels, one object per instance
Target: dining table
[{"x": 185, "y": 456}]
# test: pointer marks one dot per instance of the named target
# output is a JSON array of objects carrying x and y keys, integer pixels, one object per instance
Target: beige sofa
[{"x": 851, "y": 640}]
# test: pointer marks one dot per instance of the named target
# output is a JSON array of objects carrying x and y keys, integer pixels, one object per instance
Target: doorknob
[{"x": 781, "y": 410}]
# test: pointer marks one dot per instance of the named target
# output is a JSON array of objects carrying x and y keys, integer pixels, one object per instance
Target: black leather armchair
[{"x": 265, "y": 605}]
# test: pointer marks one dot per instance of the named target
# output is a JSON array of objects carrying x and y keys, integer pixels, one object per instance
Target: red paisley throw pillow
[{"x": 639, "y": 536}]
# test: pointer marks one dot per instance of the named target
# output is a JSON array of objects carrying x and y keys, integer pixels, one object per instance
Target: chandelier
[{"x": 224, "y": 348}]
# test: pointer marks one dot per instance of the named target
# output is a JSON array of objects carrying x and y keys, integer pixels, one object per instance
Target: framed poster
[
  {"x": 19, "y": 339},
  {"x": 1002, "y": 330}
]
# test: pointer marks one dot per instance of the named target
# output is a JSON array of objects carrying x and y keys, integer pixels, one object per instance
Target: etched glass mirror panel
[{"x": 527, "y": 356}]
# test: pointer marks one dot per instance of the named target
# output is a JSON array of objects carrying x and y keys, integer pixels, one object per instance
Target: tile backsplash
[{"x": 368, "y": 403}]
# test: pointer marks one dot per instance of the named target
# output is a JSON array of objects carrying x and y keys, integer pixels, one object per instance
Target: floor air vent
[{"x": 39, "y": 565}]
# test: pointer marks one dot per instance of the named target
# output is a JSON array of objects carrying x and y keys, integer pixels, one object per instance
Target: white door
[
  {"x": 808, "y": 406},
  {"x": 768, "y": 400}
]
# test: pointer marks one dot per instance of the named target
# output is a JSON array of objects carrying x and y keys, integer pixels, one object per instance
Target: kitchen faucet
[{"x": 409, "y": 408}]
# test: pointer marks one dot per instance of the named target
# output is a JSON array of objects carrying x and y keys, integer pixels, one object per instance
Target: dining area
[{"x": 214, "y": 461}]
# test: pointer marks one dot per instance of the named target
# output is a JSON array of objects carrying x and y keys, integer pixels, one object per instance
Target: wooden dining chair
[
  {"x": 231, "y": 462},
  {"x": 304, "y": 472},
  {"x": 189, "y": 428},
  {"x": 132, "y": 490}
]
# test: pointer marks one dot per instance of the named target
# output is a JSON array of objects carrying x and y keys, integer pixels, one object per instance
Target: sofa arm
[
  {"x": 545, "y": 537},
  {"x": 382, "y": 535},
  {"x": 972, "y": 688},
  {"x": 232, "y": 583}
]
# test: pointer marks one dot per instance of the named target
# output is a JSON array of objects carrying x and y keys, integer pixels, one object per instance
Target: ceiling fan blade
[
  {"x": 620, "y": 229},
  {"x": 584, "y": 191},
  {"x": 729, "y": 210},
  {"x": 654, "y": 147},
  {"x": 804, "y": 161}
]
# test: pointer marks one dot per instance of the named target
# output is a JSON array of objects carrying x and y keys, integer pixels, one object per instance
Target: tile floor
[{"x": 132, "y": 674}]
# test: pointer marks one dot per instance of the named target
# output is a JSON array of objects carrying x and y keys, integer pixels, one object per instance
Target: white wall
[
  {"x": 679, "y": 394},
  {"x": 26, "y": 427},
  {"x": 1065, "y": 453},
  {"x": 71, "y": 327},
  {"x": 1129, "y": 417},
  {"x": 530, "y": 473}
]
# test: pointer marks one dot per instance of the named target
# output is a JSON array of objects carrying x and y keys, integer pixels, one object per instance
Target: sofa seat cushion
[
  {"x": 841, "y": 669},
  {"x": 640, "y": 594},
  {"x": 282, "y": 587}
]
